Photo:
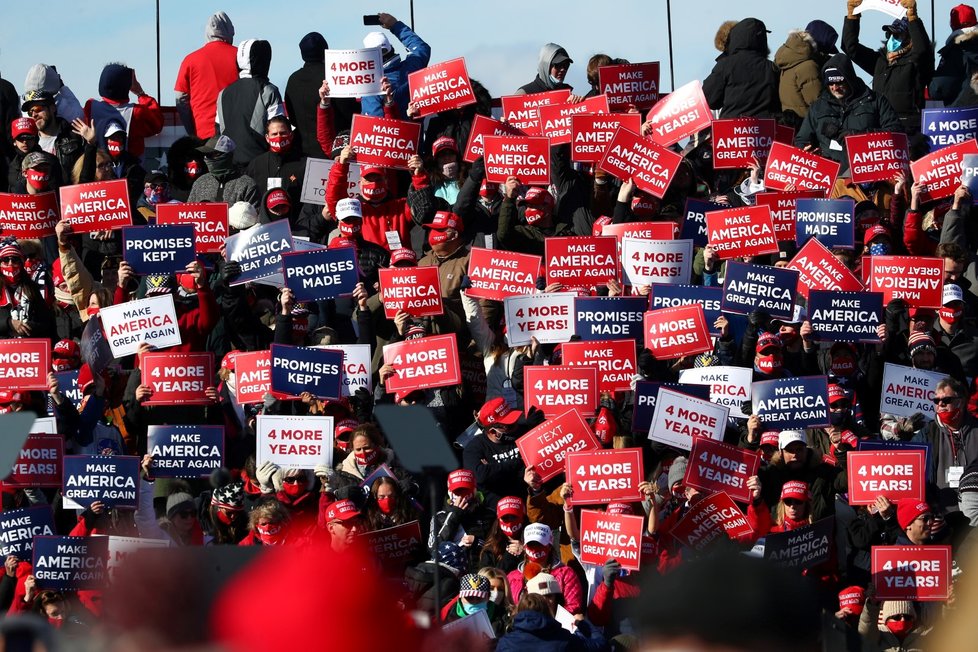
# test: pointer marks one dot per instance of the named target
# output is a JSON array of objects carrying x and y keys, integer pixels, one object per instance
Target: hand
[
  {"x": 566, "y": 492},
  {"x": 753, "y": 428},
  {"x": 386, "y": 372},
  {"x": 324, "y": 94},
  {"x": 402, "y": 320},
  {"x": 307, "y": 398},
  {"x": 647, "y": 128},
  {"x": 346, "y": 155},
  {"x": 10, "y": 565},
  {"x": 842, "y": 613},
  {"x": 754, "y": 484},
  {"x": 710, "y": 259},
  {"x": 52, "y": 384},
  {"x": 574, "y": 99},
  {"x": 84, "y": 129},
  {"x": 614, "y": 288},
  {"x": 386, "y": 20},
  {"x": 647, "y": 489},
  {"x": 267, "y": 475},
  {"x": 415, "y": 165},
  {"x": 125, "y": 273},
  {"x": 961, "y": 197},
  {"x": 899, "y": 182},
  {"x": 21, "y": 327},
  {"x": 98, "y": 507},
  {"x": 722, "y": 325},
  {"x": 462, "y": 502},
  {"x": 642, "y": 290},
  {"x": 915, "y": 190},
  {"x": 511, "y": 187},
  {"x": 553, "y": 287},
  {"x": 210, "y": 393},
  {"x": 532, "y": 478},
  {"x": 145, "y": 465},
  {"x": 143, "y": 393},
  {"x": 230, "y": 271},
  {"x": 467, "y": 541},
  {"x": 387, "y": 89},
  {"x": 144, "y": 347},
  {"x": 287, "y": 300},
  {"x": 101, "y": 235},
  {"x": 883, "y": 506},
  {"x": 198, "y": 271},
  {"x": 611, "y": 570},
  {"x": 848, "y": 441},
  {"x": 626, "y": 190},
  {"x": 360, "y": 296},
  {"x": 806, "y": 330},
  {"x": 63, "y": 231},
  {"x": 882, "y": 333},
  {"x": 723, "y": 200},
  {"x": 30, "y": 585},
  {"x": 413, "y": 109},
  {"x": 755, "y": 170},
  {"x": 136, "y": 88},
  {"x": 514, "y": 548}
]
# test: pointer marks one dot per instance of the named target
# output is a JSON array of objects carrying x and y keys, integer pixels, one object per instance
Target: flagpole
[{"x": 672, "y": 73}]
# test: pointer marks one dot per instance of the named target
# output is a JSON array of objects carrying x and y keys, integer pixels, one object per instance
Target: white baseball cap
[
  {"x": 348, "y": 208},
  {"x": 787, "y": 437},
  {"x": 952, "y": 292},
  {"x": 539, "y": 533},
  {"x": 377, "y": 40}
]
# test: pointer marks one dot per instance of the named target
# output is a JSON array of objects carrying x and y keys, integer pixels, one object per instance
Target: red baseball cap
[
  {"x": 770, "y": 438},
  {"x": 766, "y": 340},
  {"x": 852, "y": 597},
  {"x": 461, "y": 479},
  {"x": 22, "y": 127},
  {"x": 404, "y": 255},
  {"x": 874, "y": 232},
  {"x": 498, "y": 411},
  {"x": 795, "y": 489},
  {"x": 619, "y": 508},
  {"x": 908, "y": 509},
  {"x": 443, "y": 143},
  {"x": 599, "y": 224},
  {"x": 342, "y": 510},
  {"x": 836, "y": 393},
  {"x": 66, "y": 349},
  {"x": 228, "y": 361},
  {"x": 510, "y": 506},
  {"x": 536, "y": 196},
  {"x": 339, "y": 242},
  {"x": 276, "y": 198},
  {"x": 367, "y": 170},
  {"x": 446, "y": 220}
]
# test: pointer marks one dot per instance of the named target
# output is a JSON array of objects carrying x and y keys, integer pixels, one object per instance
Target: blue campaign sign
[
  {"x": 647, "y": 391},
  {"x": 694, "y": 221},
  {"x": 95, "y": 349},
  {"x": 71, "y": 563},
  {"x": 969, "y": 173},
  {"x": 19, "y": 527},
  {"x": 882, "y": 445},
  {"x": 747, "y": 288},
  {"x": 110, "y": 479},
  {"x": 670, "y": 296},
  {"x": 609, "y": 318},
  {"x": 830, "y": 221},
  {"x": 802, "y": 548},
  {"x": 321, "y": 274},
  {"x": 845, "y": 316},
  {"x": 68, "y": 385},
  {"x": 792, "y": 403},
  {"x": 945, "y": 127},
  {"x": 298, "y": 369},
  {"x": 185, "y": 451},
  {"x": 259, "y": 251},
  {"x": 157, "y": 249}
]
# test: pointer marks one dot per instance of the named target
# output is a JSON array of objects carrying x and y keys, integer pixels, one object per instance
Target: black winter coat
[
  {"x": 301, "y": 100},
  {"x": 951, "y": 77},
  {"x": 744, "y": 82}
]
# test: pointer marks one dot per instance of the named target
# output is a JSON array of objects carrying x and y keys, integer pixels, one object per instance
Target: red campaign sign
[
  {"x": 912, "y": 572},
  {"x": 877, "y": 156},
  {"x": 395, "y": 546},
  {"x": 681, "y": 113},
  {"x": 918, "y": 280},
  {"x": 605, "y": 476},
  {"x": 252, "y": 376},
  {"x": 611, "y": 536},
  {"x": 743, "y": 231},
  {"x": 525, "y": 157},
  {"x": 523, "y": 111},
  {"x": 940, "y": 171},
  {"x": 554, "y": 388},
  {"x": 676, "y": 332},
  {"x": 894, "y": 474},
  {"x": 96, "y": 206},
  {"x": 24, "y": 364},
  {"x": 783, "y": 206},
  {"x": 650, "y": 166},
  {"x": 545, "y": 447},
  {"x": 614, "y": 359},
  {"x": 784, "y": 134},
  {"x": 384, "y": 142},
  {"x": 28, "y": 216},
  {"x": 630, "y": 84},
  {"x": 497, "y": 274},
  {"x": 210, "y": 222},
  {"x": 416, "y": 290},
  {"x": 178, "y": 378},
  {"x": 646, "y": 230},
  {"x": 739, "y": 142},
  {"x": 790, "y": 166},
  {"x": 39, "y": 463},
  {"x": 556, "y": 119},
  {"x": 708, "y": 519},
  {"x": 441, "y": 87},
  {"x": 584, "y": 261},
  {"x": 715, "y": 466},
  {"x": 423, "y": 363},
  {"x": 818, "y": 269},
  {"x": 482, "y": 127},
  {"x": 590, "y": 134}
]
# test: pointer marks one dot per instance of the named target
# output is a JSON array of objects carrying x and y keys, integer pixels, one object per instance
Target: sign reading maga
[
  {"x": 590, "y": 134},
  {"x": 482, "y": 127},
  {"x": 918, "y": 280},
  {"x": 630, "y": 84},
  {"x": 523, "y": 111}
]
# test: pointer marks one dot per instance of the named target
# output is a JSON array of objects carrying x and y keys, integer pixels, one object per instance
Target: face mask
[
  {"x": 950, "y": 316},
  {"x": 114, "y": 147},
  {"x": 373, "y": 190},
  {"x": 60, "y": 364},
  {"x": 386, "y": 504},
  {"x": 844, "y": 367},
  {"x": 768, "y": 364},
  {"x": 496, "y": 596},
  {"x": 470, "y": 609},
  {"x": 220, "y": 166},
  {"x": 350, "y": 227},
  {"x": 949, "y": 418},
  {"x": 156, "y": 196},
  {"x": 11, "y": 271},
  {"x": 554, "y": 80},
  {"x": 436, "y": 238},
  {"x": 92, "y": 311},
  {"x": 342, "y": 445},
  {"x": 56, "y": 622},
  {"x": 838, "y": 418},
  {"x": 537, "y": 555},
  {"x": 893, "y": 44},
  {"x": 789, "y": 336},
  {"x": 366, "y": 458},
  {"x": 450, "y": 169},
  {"x": 879, "y": 249},
  {"x": 280, "y": 144},
  {"x": 488, "y": 190},
  {"x": 225, "y": 517},
  {"x": 36, "y": 179},
  {"x": 192, "y": 170},
  {"x": 900, "y": 628},
  {"x": 534, "y": 215},
  {"x": 270, "y": 535},
  {"x": 292, "y": 489},
  {"x": 510, "y": 529}
]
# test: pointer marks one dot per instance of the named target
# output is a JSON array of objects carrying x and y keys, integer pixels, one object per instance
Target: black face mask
[
  {"x": 839, "y": 418},
  {"x": 221, "y": 166}
]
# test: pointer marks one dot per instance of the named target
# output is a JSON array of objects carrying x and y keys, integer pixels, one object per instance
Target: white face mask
[{"x": 496, "y": 596}]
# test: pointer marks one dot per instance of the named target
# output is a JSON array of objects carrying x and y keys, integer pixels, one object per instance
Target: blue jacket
[
  {"x": 397, "y": 70},
  {"x": 534, "y": 631}
]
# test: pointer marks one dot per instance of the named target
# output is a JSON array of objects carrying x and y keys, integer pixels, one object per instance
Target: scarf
[{"x": 891, "y": 57}]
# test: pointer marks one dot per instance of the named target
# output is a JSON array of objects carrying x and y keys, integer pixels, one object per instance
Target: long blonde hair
[{"x": 493, "y": 573}]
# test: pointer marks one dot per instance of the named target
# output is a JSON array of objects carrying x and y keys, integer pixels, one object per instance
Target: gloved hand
[
  {"x": 908, "y": 425},
  {"x": 327, "y": 477},
  {"x": 230, "y": 271},
  {"x": 362, "y": 402},
  {"x": 269, "y": 477},
  {"x": 911, "y": 7},
  {"x": 534, "y": 417},
  {"x": 852, "y": 4},
  {"x": 611, "y": 570}
]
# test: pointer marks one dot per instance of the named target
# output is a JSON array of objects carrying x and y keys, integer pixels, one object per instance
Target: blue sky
[{"x": 499, "y": 39}]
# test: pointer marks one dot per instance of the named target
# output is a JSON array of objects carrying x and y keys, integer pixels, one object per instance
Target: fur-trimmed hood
[{"x": 798, "y": 48}]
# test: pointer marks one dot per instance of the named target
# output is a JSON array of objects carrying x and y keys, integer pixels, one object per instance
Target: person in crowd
[
  {"x": 396, "y": 69},
  {"x": 44, "y": 78},
  {"x": 139, "y": 120},
  {"x": 744, "y": 83},
  {"x": 552, "y": 66},
  {"x": 801, "y": 76},
  {"x": 245, "y": 106},
  {"x": 203, "y": 74},
  {"x": 951, "y": 75},
  {"x": 56, "y": 134}
]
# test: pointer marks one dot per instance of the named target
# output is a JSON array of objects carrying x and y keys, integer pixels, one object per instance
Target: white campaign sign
[
  {"x": 356, "y": 367},
  {"x": 678, "y": 418},
  {"x": 295, "y": 442},
  {"x": 121, "y": 547},
  {"x": 548, "y": 317},
  {"x": 907, "y": 391},
  {"x": 316, "y": 175},
  {"x": 729, "y": 386},
  {"x": 354, "y": 73},
  {"x": 889, "y": 7},
  {"x": 46, "y": 425},
  {"x": 152, "y": 320},
  {"x": 645, "y": 262}
]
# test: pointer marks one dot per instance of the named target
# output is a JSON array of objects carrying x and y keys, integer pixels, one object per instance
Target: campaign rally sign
[
  {"x": 715, "y": 466},
  {"x": 741, "y": 232},
  {"x": 316, "y": 176},
  {"x": 395, "y": 546},
  {"x": 415, "y": 290},
  {"x": 708, "y": 520},
  {"x": 253, "y": 376},
  {"x": 894, "y": 474},
  {"x": 615, "y": 361},
  {"x": 356, "y": 367},
  {"x": 883, "y": 445},
  {"x": 549, "y": 317},
  {"x": 829, "y": 220},
  {"x": 694, "y": 221},
  {"x": 789, "y": 166},
  {"x": 545, "y": 447},
  {"x": 525, "y": 157},
  {"x": 792, "y": 403},
  {"x": 672, "y": 333},
  {"x": 918, "y": 280},
  {"x": 70, "y": 563},
  {"x": 630, "y": 84},
  {"x": 656, "y": 261},
  {"x": 68, "y": 385},
  {"x": 384, "y": 142},
  {"x": 729, "y": 386},
  {"x": 28, "y": 216},
  {"x": 294, "y": 442},
  {"x": 157, "y": 249},
  {"x": 605, "y": 476},
  {"x": 476, "y": 625},
  {"x": 321, "y": 274},
  {"x": 969, "y": 173},
  {"x": 783, "y": 207},
  {"x": 639, "y": 230},
  {"x": 422, "y": 363},
  {"x": 121, "y": 548},
  {"x": 178, "y": 378},
  {"x": 112, "y": 480},
  {"x": 354, "y": 73},
  {"x": 818, "y": 269},
  {"x": 556, "y": 120},
  {"x": 892, "y": 8},
  {"x": 845, "y": 316},
  {"x": 483, "y": 126},
  {"x": 912, "y": 572},
  {"x": 497, "y": 274},
  {"x": 680, "y": 418},
  {"x": 441, "y": 87},
  {"x": 646, "y": 397},
  {"x": 185, "y": 451},
  {"x": 907, "y": 390},
  {"x": 299, "y": 369},
  {"x": 748, "y": 287},
  {"x": 590, "y": 134},
  {"x": 649, "y": 165},
  {"x": 96, "y": 206},
  {"x": 741, "y": 142},
  {"x": 877, "y": 156},
  {"x": 611, "y": 536},
  {"x": 672, "y": 296},
  {"x": 679, "y": 114},
  {"x": 39, "y": 463},
  {"x": 802, "y": 548},
  {"x": 208, "y": 220},
  {"x": 18, "y": 528},
  {"x": 583, "y": 261},
  {"x": 949, "y": 126},
  {"x": 523, "y": 111},
  {"x": 259, "y": 251},
  {"x": 24, "y": 364},
  {"x": 609, "y": 318},
  {"x": 554, "y": 388},
  {"x": 152, "y": 320},
  {"x": 940, "y": 172}
]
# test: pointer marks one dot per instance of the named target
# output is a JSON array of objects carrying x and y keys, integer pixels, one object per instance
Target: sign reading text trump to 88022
[{"x": 679, "y": 418}]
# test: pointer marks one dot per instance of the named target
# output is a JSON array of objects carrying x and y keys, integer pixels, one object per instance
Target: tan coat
[{"x": 801, "y": 79}]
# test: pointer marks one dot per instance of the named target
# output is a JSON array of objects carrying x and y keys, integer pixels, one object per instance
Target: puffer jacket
[
  {"x": 951, "y": 76},
  {"x": 397, "y": 70},
  {"x": 570, "y": 586},
  {"x": 801, "y": 79},
  {"x": 744, "y": 83}
]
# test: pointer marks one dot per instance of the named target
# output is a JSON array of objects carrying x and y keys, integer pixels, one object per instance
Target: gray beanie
[
  {"x": 177, "y": 502},
  {"x": 219, "y": 28},
  {"x": 677, "y": 471}
]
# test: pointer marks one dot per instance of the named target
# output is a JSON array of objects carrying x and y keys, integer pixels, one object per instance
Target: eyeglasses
[
  {"x": 34, "y": 110},
  {"x": 24, "y": 139},
  {"x": 105, "y": 167},
  {"x": 945, "y": 400}
]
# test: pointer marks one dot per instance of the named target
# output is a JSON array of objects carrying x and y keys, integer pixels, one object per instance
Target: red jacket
[
  {"x": 147, "y": 120},
  {"x": 915, "y": 239}
]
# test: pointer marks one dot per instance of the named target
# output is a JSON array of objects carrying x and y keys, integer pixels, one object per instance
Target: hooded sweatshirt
[
  {"x": 44, "y": 77},
  {"x": 744, "y": 83},
  {"x": 142, "y": 118},
  {"x": 801, "y": 79},
  {"x": 543, "y": 83}
]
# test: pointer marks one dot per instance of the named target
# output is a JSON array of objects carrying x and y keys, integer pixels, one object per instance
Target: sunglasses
[
  {"x": 294, "y": 479},
  {"x": 792, "y": 502},
  {"x": 10, "y": 259},
  {"x": 946, "y": 400}
]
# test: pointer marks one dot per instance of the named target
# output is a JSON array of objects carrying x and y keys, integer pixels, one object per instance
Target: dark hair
[
  {"x": 535, "y": 602},
  {"x": 402, "y": 512},
  {"x": 952, "y": 250},
  {"x": 371, "y": 432},
  {"x": 496, "y": 541},
  {"x": 954, "y": 385},
  {"x": 280, "y": 119},
  {"x": 593, "y": 64},
  {"x": 228, "y": 534}
]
